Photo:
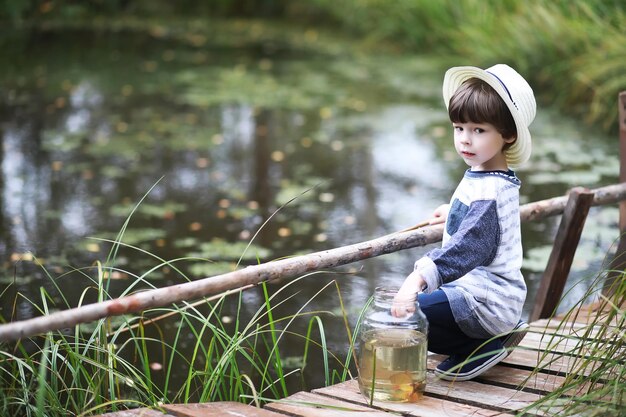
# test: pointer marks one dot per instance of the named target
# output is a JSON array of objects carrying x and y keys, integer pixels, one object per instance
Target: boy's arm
[
  {"x": 474, "y": 244},
  {"x": 414, "y": 283}
]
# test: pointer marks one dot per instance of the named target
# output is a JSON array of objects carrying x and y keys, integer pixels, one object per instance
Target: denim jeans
[{"x": 444, "y": 334}]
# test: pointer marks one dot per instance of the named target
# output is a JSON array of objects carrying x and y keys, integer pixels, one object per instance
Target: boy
[{"x": 471, "y": 289}]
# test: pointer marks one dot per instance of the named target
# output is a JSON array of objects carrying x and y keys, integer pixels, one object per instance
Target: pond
[{"x": 240, "y": 144}]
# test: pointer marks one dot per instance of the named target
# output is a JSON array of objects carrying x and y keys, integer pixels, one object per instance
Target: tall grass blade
[
  {"x": 320, "y": 326},
  {"x": 277, "y": 362},
  {"x": 42, "y": 377}
]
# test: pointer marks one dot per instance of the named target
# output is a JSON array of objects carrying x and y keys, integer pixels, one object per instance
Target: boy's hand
[
  {"x": 440, "y": 214},
  {"x": 404, "y": 301}
]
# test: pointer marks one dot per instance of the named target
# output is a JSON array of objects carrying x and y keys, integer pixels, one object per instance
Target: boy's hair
[{"x": 477, "y": 102}]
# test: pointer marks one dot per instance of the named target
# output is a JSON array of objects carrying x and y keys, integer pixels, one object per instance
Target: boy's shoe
[
  {"x": 459, "y": 368},
  {"x": 515, "y": 337}
]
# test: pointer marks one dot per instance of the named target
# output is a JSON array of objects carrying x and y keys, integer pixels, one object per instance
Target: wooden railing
[{"x": 574, "y": 206}]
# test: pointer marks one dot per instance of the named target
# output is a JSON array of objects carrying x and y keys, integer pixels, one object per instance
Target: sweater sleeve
[{"x": 475, "y": 243}]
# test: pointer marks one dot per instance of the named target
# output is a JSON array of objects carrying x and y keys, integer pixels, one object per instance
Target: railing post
[
  {"x": 616, "y": 269},
  {"x": 562, "y": 255}
]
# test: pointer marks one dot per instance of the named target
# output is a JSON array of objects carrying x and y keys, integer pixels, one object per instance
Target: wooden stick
[
  {"x": 284, "y": 268},
  {"x": 252, "y": 275},
  {"x": 185, "y": 307},
  {"x": 415, "y": 227},
  {"x": 216, "y": 296}
]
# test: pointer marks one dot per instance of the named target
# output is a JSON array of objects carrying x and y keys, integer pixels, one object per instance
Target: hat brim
[{"x": 519, "y": 151}]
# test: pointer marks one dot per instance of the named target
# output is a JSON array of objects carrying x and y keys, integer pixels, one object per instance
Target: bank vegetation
[{"x": 572, "y": 51}]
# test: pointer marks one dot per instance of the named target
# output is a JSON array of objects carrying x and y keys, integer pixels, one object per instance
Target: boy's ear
[{"x": 508, "y": 142}]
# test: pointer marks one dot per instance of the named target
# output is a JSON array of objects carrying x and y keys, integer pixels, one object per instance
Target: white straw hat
[{"x": 515, "y": 92}]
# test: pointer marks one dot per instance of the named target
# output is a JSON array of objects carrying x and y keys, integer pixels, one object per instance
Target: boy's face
[{"x": 480, "y": 145}]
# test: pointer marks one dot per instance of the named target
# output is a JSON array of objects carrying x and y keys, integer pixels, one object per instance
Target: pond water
[{"x": 209, "y": 134}]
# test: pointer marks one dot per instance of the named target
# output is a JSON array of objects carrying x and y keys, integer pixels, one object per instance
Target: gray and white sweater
[{"x": 478, "y": 265}]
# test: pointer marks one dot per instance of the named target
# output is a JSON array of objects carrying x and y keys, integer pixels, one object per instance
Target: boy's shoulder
[
  {"x": 493, "y": 185},
  {"x": 495, "y": 177}
]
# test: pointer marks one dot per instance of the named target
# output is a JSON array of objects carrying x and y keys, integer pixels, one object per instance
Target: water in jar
[{"x": 393, "y": 362}]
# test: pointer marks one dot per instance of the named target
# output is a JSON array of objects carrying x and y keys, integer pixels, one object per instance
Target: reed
[
  {"x": 596, "y": 383},
  {"x": 132, "y": 361},
  {"x": 110, "y": 367}
]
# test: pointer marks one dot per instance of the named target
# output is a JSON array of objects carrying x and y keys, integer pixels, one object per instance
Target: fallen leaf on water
[
  {"x": 27, "y": 256},
  {"x": 202, "y": 162},
  {"x": 278, "y": 156},
  {"x": 93, "y": 247}
]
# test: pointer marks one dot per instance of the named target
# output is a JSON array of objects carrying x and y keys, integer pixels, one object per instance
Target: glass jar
[{"x": 392, "y": 351}]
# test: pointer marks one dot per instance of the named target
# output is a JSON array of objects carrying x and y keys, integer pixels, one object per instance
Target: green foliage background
[{"x": 572, "y": 51}]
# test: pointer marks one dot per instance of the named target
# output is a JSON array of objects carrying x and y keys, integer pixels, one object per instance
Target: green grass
[
  {"x": 109, "y": 367},
  {"x": 596, "y": 382},
  {"x": 572, "y": 52}
]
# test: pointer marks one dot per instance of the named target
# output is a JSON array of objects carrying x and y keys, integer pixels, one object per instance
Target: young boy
[{"x": 471, "y": 289}]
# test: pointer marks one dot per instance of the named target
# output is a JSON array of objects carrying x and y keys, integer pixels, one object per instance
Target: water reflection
[{"x": 83, "y": 141}]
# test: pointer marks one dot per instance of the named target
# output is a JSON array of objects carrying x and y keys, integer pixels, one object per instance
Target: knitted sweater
[{"x": 478, "y": 265}]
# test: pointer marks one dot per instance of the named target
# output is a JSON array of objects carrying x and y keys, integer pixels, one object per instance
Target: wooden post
[
  {"x": 618, "y": 264},
  {"x": 562, "y": 255}
]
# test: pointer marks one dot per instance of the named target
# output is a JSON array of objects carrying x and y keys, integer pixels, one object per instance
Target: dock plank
[
  {"x": 218, "y": 409},
  {"x": 137, "y": 412},
  {"x": 480, "y": 395},
  {"x": 572, "y": 328},
  {"x": 549, "y": 362},
  {"x": 308, "y": 404},
  {"x": 426, "y": 407},
  {"x": 510, "y": 377}
]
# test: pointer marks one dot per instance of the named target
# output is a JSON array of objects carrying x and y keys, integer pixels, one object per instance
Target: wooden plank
[
  {"x": 597, "y": 312},
  {"x": 566, "y": 242},
  {"x": 480, "y": 395},
  {"x": 550, "y": 362},
  {"x": 554, "y": 343},
  {"x": 307, "y": 404},
  {"x": 426, "y": 407},
  {"x": 571, "y": 329},
  {"x": 137, "y": 412},
  {"x": 510, "y": 377},
  {"x": 568, "y": 345},
  {"x": 218, "y": 409},
  {"x": 522, "y": 379}
]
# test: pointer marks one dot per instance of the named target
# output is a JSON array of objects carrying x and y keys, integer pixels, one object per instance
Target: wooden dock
[{"x": 502, "y": 391}]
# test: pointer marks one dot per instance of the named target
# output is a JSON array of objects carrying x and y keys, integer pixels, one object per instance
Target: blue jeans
[{"x": 444, "y": 335}]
